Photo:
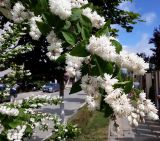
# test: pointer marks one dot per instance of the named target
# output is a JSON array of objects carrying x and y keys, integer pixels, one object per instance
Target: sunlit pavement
[
  {"x": 148, "y": 131},
  {"x": 72, "y": 104}
]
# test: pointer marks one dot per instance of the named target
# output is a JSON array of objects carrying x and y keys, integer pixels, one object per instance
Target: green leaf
[
  {"x": 15, "y": 123},
  {"x": 117, "y": 45},
  {"x": 84, "y": 69},
  {"x": 29, "y": 130},
  {"x": 101, "y": 66},
  {"x": 61, "y": 59},
  {"x": 49, "y": 18},
  {"x": 85, "y": 21},
  {"x": 43, "y": 27},
  {"x": 44, "y": 4},
  {"x": 80, "y": 50},
  {"x": 78, "y": 27},
  {"x": 85, "y": 33},
  {"x": 76, "y": 87},
  {"x": 67, "y": 25},
  {"x": 128, "y": 87},
  {"x": 69, "y": 37},
  {"x": 76, "y": 14},
  {"x": 116, "y": 71},
  {"x": 108, "y": 111},
  {"x": 104, "y": 30}
]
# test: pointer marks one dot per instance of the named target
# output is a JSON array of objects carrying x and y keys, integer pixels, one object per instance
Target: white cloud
[
  {"x": 142, "y": 46},
  {"x": 149, "y": 18},
  {"x": 127, "y": 6}
]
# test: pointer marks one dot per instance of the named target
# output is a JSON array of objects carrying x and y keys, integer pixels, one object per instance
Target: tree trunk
[{"x": 62, "y": 112}]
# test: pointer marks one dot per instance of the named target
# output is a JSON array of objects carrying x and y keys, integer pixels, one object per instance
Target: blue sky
[{"x": 137, "y": 41}]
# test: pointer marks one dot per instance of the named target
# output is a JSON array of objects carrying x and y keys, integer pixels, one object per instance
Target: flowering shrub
[
  {"x": 78, "y": 35},
  {"x": 18, "y": 120}
]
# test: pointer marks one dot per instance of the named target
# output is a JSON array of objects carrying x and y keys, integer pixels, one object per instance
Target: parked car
[
  {"x": 26, "y": 87},
  {"x": 2, "y": 87},
  {"x": 51, "y": 87}
]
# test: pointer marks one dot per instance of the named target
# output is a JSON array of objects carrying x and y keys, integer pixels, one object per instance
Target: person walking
[{"x": 13, "y": 92}]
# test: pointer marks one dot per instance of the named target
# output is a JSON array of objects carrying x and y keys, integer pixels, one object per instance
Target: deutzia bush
[
  {"x": 79, "y": 36},
  {"x": 18, "y": 120}
]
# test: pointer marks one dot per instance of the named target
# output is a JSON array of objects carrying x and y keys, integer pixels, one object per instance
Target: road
[{"x": 72, "y": 104}]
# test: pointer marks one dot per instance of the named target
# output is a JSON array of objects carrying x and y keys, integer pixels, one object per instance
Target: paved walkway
[
  {"x": 149, "y": 131},
  {"x": 72, "y": 104}
]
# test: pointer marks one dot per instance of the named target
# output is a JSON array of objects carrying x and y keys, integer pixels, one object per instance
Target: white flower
[
  {"x": 78, "y": 3},
  {"x": 129, "y": 119},
  {"x": 135, "y": 123},
  {"x": 73, "y": 65},
  {"x": 34, "y": 31},
  {"x": 91, "y": 102},
  {"x": 18, "y": 13},
  {"x": 102, "y": 47},
  {"x": 142, "y": 96},
  {"x": 61, "y": 8},
  {"x": 17, "y": 133},
  {"x": 97, "y": 20},
  {"x": 108, "y": 83},
  {"x": 55, "y": 47},
  {"x": 9, "y": 111},
  {"x": 132, "y": 62}
]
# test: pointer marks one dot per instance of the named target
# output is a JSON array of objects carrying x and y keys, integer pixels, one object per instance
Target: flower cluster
[
  {"x": 34, "y": 31},
  {"x": 17, "y": 133},
  {"x": 102, "y": 47},
  {"x": 144, "y": 108},
  {"x": 73, "y": 65},
  {"x": 61, "y": 8},
  {"x": 90, "y": 86},
  {"x": 40, "y": 100},
  {"x": 5, "y": 33},
  {"x": 107, "y": 83},
  {"x": 78, "y": 3},
  {"x": 119, "y": 102},
  {"x": 55, "y": 47},
  {"x": 4, "y": 110},
  {"x": 132, "y": 62},
  {"x": 64, "y": 131},
  {"x": 18, "y": 13},
  {"x": 97, "y": 20}
]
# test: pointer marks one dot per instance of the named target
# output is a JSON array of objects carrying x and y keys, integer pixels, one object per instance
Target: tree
[
  {"x": 109, "y": 9},
  {"x": 155, "y": 58},
  {"x": 80, "y": 43}
]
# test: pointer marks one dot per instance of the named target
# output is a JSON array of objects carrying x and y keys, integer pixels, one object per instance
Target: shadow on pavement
[
  {"x": 80, "y": 100},
  {"x": 56, "y": 111},
  {"x": 35, "y": 138}
]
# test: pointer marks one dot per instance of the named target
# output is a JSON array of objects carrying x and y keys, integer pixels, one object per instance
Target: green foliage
[
  {"x": 44, "y": 28},
  {"x": 80, "y": 50},
  {"x": 101, "y": 66},
  {"x": 104, "y": 30},
  {"x": 69, "y": 37},
  {"x": 109, "y": 9},
  {"x": 117, "y": 45},
  {"x": 76, "y": 87},
  {"x": 126, "y": 86},
  {"x": 76, "y": 14}
]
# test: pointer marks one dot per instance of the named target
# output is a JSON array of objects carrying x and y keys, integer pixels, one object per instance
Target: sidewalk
[
  {"x": 149, "y": 131},
  {"x": 72, "y": 104}
]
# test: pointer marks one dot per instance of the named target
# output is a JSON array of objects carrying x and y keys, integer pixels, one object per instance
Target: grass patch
[{"x": 93, "y": 125}]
